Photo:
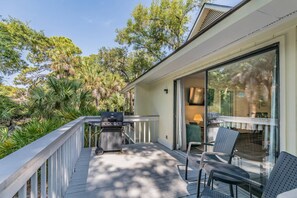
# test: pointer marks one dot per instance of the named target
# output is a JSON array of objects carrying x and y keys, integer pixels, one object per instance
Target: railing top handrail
[
  {"x": 25, "y": 161},
  {"x": 262, "y": 121},
  {"x": 141, "y": 118},
  {"x": 128, "y": 118}
]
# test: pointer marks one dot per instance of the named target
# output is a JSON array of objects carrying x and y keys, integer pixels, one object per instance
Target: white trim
[{"x": 165, "y": 143}]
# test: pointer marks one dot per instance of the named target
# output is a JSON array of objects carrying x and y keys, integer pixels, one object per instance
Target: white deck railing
[
  {"x": 44, "y": 167},
  {"x": 247, "y": 122},
  {"x": 137, "y": 129},
  {"x": 268, "y": 125}
]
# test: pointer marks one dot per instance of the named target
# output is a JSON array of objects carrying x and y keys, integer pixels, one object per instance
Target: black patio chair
[
  {"x": 223, "y": 148},
  {"x": 283, "y": 178}
]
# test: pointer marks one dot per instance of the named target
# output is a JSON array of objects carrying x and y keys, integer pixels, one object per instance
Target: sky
[{"x": 90, "y": 24}]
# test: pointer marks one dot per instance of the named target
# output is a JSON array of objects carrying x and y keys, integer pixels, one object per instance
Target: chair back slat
[
  {"x": 283, "y": 176},
  {"x": 225, "y": 141}
]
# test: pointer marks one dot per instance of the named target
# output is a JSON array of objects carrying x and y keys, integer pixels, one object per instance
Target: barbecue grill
[{"x": 111, "y": 132}]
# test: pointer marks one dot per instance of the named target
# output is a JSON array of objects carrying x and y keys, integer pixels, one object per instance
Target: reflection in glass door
[{"x": 243, "y": 95}]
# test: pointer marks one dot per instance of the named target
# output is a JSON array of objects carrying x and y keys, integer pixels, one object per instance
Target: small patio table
[{"x": 226, "y": 168}]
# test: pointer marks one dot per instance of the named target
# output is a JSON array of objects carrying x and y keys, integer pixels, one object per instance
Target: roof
[{"x": 244, "y": 20}]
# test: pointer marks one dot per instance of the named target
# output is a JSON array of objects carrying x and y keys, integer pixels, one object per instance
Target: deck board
[{"x": 140, "y": 170}]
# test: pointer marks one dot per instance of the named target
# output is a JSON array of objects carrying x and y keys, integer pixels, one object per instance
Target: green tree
[
  {"x": 102, "y": 83},
  {"x": 16, "y": 38},
  {"x": 64, "y": 57},
  {"x": 58, "y": 96},
  {"x": 60, "y": 59},
  {"x": 159, "y": 28},
  {"x": 12, "y": 101},
  {"x": 114, "y": 60}
]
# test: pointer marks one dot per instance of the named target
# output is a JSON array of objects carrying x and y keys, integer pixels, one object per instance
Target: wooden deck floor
[{"x": 141, "y": 170}]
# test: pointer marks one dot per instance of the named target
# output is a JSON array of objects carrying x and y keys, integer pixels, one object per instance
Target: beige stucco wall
[
  {"x": 285, "y": 35},
  {"x": 154, "y": 101}
]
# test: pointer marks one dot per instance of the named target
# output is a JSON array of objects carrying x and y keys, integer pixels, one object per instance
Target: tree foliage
[
  {"x": 11, "y": 104},
  {"x": 59, "y": 58},
  {"x": 104, "y": 84},
  {"x": 16, "y": 38},
  {"x": 57, "y": 96},
  {"x": 159, "y": 28}
]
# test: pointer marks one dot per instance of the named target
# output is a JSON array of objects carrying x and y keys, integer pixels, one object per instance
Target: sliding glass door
[{"x": 243, "y": 95}]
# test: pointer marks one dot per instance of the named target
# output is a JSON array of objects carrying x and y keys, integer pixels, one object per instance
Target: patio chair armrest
[
  {"x": 217, "y": 153},
  {"x": 204, "y": 157},
  {"x": 243, "y": 179},
  {"x": 190, "y": 145},
  {"x": 208, "y": 143}
]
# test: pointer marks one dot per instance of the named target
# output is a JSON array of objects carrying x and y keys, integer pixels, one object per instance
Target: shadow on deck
[{"x": 140, "y": 170}]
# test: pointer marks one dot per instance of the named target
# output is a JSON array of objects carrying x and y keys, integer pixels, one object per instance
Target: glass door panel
[{"x": 243, "y": 96}]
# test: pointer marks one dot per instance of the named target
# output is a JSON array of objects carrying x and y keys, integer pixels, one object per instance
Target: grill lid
[{"x": 112, "y": 117}]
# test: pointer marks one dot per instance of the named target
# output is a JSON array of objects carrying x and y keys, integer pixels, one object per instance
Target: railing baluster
[
  {"x": 134, "y": 132},
  {"x": 149, "y": 132},
  {"x": 67, "y": 163},
  {"x": 34, "y": 183},
  {"x": 144, "y": 132},
  {"x": 140, "y": 131},
  {"x": 50, "y": 176},
  {"x": 129, "y": 132},
  {"x": 62, "y": 171},
  {"x": 55, "y": 175},
  {"x": 95, "y": 136},
  {"x": 43, "y": 181},
  {"x": 59, "y": 182},
  {"x": 90, "y": 128},
  {"x": 82, "y": 135},
  {"x": 23, "y": 191}
]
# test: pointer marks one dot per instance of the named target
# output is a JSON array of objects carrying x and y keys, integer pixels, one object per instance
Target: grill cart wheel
[{"x": 99, "y": 151}]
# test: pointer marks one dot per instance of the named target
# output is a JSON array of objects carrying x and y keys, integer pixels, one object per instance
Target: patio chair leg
[
  {"x": 186, "y": 173},
  {"x": 231, "y": 190},
  {"x": 236, "y": 191},
  {"x": 204, "y": 180},
  {"x": 212, "y": 185},
  {"x": 198, "y": 184}
]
